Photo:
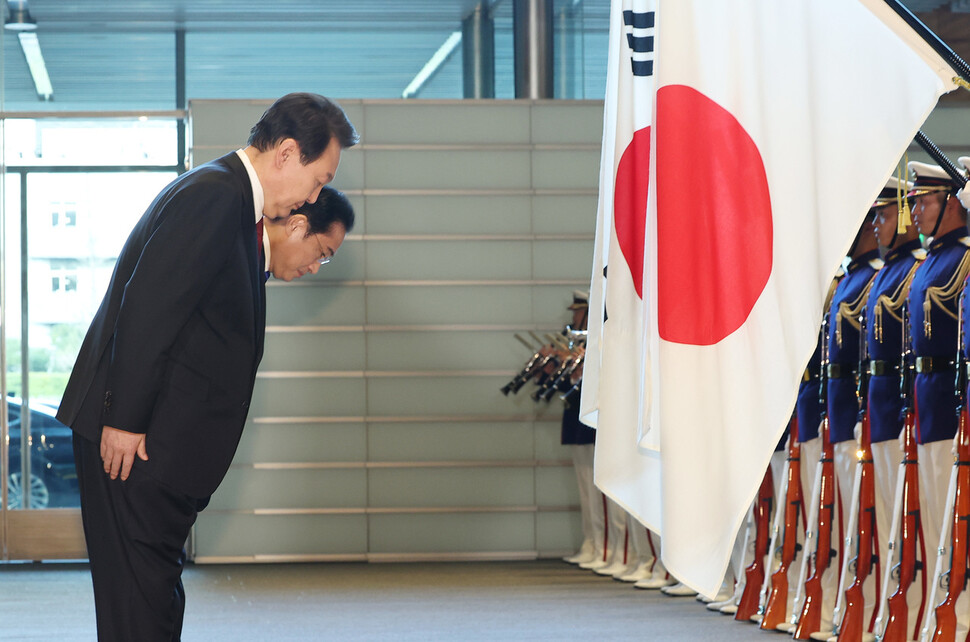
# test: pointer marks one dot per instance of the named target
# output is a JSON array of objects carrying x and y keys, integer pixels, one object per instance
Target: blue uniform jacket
[
  {"x": 809, "y": 404},
  {"x": 935, "y": 399},
  {"x": 843, "y": 400},
  {"x": 886, "y": 345}
]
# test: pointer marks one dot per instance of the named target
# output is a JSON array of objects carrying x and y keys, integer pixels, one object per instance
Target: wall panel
[{"x": 377, "y": 429}]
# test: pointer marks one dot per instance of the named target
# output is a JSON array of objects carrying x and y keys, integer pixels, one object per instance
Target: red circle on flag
[
  {"x": 714, "y": 225},
  {"x": 630, "y": 203}
]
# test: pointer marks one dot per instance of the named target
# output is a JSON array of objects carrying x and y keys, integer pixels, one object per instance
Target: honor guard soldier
[
  {"x": 581, "y": 438},
  {"x": 844, "y": 323},
  {"x": 903, "y": 254},
  {"x": 809, "y": 410},
  {"x": 933, "y": 299},
  {"x": 961, "y": 608}
]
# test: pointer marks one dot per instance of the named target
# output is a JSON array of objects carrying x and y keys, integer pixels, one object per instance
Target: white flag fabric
[
  {"x": 774, "y": 126},
  {"x": 614, "y": 368}
]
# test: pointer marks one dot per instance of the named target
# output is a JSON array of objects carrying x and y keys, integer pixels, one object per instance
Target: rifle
[
  {"x": 776, "y": 605},
  {"x": 897, "y": 628},
  {"x": 809, "y": 621},
  {"x": 754, "y": 575},
  {"x": 959, "y": 507},
  {"x": 522, "y": 376},
  {"x": 548, "y": 387},
  {"x": 958, "y": 517},
  {"x": 566, "y": 368},
  {"x": 810, "y": 617},
  {"x": 852, "y": 620},
  {"x": 851, "y": 627}
]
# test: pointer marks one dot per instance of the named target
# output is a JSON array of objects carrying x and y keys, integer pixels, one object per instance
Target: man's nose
[
  {"x": 314, "y": 267},
  {"x": 314, "y": 194}
]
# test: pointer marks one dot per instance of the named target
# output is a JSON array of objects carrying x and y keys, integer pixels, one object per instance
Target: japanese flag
[{"x": 774, "y": 126}]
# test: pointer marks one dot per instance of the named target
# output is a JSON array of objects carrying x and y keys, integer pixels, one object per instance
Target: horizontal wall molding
[
  {"x": 392, "y": 510},
  {"x": 468, "y": 237},
  {"x": 344, "y": 465},
  {"x": 390, "y": 374},
  {"x": 500, "y": 556},
  {"x": 452, "y": 147},
  {"x": 278, "y": 559},
  {"x": 474, "y": 192},
  {"x": 330, "y": 419},
  {"x": 321, "y": 283},
  {"x": 282, "y": 329}
]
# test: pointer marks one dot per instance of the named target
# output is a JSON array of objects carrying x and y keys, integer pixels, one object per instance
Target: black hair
[
  {"x": 332, "y": 206},
  {"x": 309, "y": 119}
]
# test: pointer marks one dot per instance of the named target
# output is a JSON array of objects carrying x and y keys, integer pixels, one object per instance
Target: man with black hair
[
  {"x": 160, "y": 391},
  {"x": 308, "y": 238},
  {"x": 932, "y": 305}
]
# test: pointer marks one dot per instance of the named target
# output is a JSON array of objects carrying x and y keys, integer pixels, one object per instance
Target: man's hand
[{"x": 118, "y": 450}]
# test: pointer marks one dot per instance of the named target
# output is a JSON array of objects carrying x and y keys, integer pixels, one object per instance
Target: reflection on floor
[{"x": 544, "y": 600}]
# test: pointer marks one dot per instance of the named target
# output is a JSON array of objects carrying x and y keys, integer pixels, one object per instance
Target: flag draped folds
[{"x": 737, "y": 167}]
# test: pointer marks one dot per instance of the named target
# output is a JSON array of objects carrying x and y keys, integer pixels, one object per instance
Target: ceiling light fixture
[
  {"x": 433, "y": 65},
  {"x": 23, "y": 24},
  {"x": 35, "y": 62}
]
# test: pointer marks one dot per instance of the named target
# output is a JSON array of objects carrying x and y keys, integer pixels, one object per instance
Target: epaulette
[
  {"x": 938, "y": 296},
  {"x": 919, "y": 254},
  {"x": 876, "y": 264}
]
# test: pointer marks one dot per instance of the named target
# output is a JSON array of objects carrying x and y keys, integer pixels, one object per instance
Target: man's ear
[
  {"x": 286, "y": 149},
  {"x": 296, "y": 223}
]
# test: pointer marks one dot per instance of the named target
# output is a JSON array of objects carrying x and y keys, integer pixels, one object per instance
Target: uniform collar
[
  {"x": 948, "y": 239},
  {"x": 862, "y": 259},
  {"x": 898, "y": 252}
]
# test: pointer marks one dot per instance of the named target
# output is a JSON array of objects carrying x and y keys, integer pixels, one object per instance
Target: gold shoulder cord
[
  {"x": 939, "y": 295},
  {"x": 891, "y": 303},
  {"x": 852, "y": 310},
  {"x": 831, "y": 293}
]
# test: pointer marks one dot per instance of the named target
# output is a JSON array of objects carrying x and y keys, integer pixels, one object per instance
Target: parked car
[{"x": 53, "y": 480}]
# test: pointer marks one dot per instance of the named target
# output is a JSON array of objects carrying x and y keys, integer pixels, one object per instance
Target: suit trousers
[{"x": 135, "y": 532}]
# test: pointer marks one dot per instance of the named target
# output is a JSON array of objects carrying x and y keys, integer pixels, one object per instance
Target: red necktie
[{"x": 259, "y": 248}]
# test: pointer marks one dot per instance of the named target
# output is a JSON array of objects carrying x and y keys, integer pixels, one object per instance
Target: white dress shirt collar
[{"x": 258, "y": 201}]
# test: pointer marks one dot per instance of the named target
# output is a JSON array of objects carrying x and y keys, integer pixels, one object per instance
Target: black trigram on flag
[{"x": 641, "y": 46}]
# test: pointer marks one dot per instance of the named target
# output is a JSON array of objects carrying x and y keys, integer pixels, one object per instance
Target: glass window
[
  {"x": 73, "y": 218},
  {"x": 119, "y": 142}
]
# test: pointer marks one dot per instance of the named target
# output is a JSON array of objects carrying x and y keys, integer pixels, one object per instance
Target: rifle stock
[
  {"x": 754, "y": 575},
  {"x": 852, "y": 627},
  {"x": 946, "y": 616},
  {"x": 809, "y": 621},
  {"x": 776, "y": 606},
  {"x": 898, "y": 624}
]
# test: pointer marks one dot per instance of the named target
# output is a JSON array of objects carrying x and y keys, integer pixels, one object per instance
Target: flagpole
[
  {"x": 959, "y": 179},
  {"x": 951, "y": 57}
]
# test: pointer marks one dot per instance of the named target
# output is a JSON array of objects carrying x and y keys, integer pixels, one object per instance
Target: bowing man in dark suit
[{"x": 161, "y": 387}]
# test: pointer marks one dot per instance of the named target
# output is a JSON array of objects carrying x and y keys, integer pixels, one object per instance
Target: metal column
[
  {"x": 532, "y": 36},
  {"x": 478, "y": 53}
]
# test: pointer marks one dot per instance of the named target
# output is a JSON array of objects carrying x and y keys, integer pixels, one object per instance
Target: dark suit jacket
[{"x": 172, "y": 351}]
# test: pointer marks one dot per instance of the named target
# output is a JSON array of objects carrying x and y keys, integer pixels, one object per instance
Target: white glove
[
  {"x": 964, "y": 196},
  {"x": 857, "y": 431}
]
